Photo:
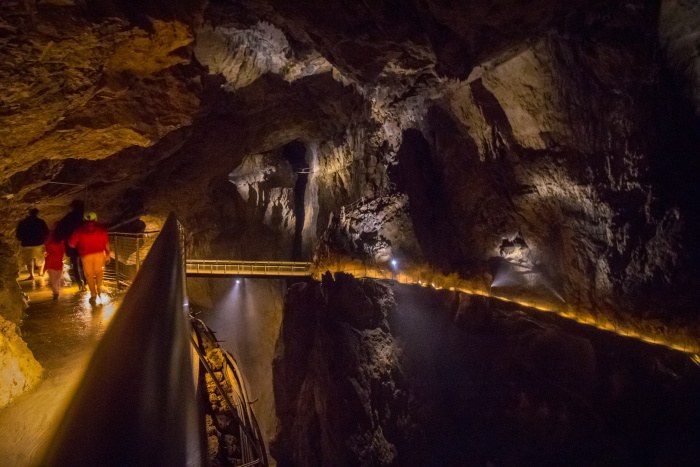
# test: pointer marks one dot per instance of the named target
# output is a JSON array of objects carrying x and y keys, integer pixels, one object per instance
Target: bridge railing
[
  {"x": 136, "y": 403},
  {"x": 247, "y": 268},
  {"x": 129, "y": 250}
]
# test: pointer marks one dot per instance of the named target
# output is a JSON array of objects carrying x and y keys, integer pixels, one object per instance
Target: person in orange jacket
[{"x": 93, "y": 246}]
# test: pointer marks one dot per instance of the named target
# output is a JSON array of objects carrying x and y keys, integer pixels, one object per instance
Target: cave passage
[
  {"x": 430, "y": 232},
  {"x": 295, "y": 154},
  {"x": 62, "y": 335}
]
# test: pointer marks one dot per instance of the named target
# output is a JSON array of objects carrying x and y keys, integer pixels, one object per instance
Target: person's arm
[
  {"x": 44, "y": 230},
  {"x": 107, "y": 252},
  {"x": 73, "y": 240}
]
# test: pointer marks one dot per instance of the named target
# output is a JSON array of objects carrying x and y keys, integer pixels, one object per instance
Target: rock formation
[
  {"x": 19, "y": 370},
  {"x": 339, "y": 390},
  {"x": 374, "y": 373},
  {"x": 569, "y": 125},
  {"x": 436, "y": 132}
]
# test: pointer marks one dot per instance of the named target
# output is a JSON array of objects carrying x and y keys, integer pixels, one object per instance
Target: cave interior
[{"x": 534, "y": 152}]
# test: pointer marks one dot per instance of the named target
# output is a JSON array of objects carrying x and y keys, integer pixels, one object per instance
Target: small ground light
[
  {"x": 394, "y": 262},
  {"x": 238, "y": 281}
]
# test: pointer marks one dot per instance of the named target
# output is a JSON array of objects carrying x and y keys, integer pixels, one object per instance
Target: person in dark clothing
[
  {"x": 32, "y": 232},
  {"x": 64, "y": 229}
]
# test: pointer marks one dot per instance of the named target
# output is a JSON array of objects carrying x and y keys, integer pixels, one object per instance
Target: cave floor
[{"x": 62, "y": 335}]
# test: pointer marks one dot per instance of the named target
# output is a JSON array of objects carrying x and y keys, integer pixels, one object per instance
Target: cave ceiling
[
  {"x": 542, "y": 119},
  {"x": 87, "y": 82}
]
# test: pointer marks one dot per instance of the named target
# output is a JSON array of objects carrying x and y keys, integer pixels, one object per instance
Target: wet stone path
[{"x": 62, "y": 335}]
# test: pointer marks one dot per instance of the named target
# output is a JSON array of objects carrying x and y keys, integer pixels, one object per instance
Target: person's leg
[
  {"x": 81, "y": 273},
  {"x": 75, "y": 269},
  {"x": 28, "y": 260},
  {"x": 99, "y": 272},
  {"x": 89, "y": 269},
  {"x": 40, "y": 258},
  {"x": 55, "y": 281}
]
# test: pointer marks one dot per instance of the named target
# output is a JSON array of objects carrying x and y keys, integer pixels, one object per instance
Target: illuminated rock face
[
  {"x": 337, "y": 374},
  {"x": 435, "y": 131},
  {"x": 367, "y": 373},
  {"x": 19, "y": 370},
  {"x": 12, "y": 301}
]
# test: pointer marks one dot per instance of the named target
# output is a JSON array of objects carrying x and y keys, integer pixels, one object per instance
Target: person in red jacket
[
  {"x": 93, "y": 247},
  {"x": 55, "y": 249}
]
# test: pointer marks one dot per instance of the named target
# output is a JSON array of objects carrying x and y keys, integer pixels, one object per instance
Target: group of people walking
[{"x": 78, "y": 236}]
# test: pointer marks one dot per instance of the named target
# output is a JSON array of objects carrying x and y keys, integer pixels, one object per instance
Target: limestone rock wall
[
  {"x": 266, "y": 186},
  {"x": 339, "y": 393},
  {"x": 19, "y": 370},
  {"x": 439, "y": 133},
  {"x": 370, "y": 373},
  {"x": 12, "y": 300},
  {"x": 548, "y": 145},
  {"x": 679, "y": 21}
]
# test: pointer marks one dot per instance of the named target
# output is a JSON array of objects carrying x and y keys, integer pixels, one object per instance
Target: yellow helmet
[{"x": 90, "y": 216}]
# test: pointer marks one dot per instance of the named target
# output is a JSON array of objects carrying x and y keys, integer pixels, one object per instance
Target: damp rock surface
[
  {"x": 435, "y": 132},
  {"x": 373, "y": 373}
]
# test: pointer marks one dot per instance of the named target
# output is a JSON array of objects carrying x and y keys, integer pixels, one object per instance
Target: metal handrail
[
  {"x": 132, "y": 234},
  {"x": 136, "y": 404},
  {"x": 250, "y": 268},
  {"x": 274, "y": 263}
]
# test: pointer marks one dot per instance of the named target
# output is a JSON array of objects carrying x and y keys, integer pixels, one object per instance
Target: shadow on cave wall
[
  {"x": 418, "y": 175},
  {"x": 674, "y": 169},
  {"x": 497, "y": 386}
]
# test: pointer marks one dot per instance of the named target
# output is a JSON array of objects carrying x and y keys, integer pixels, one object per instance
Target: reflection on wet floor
[{"x": 62, "y": 335}]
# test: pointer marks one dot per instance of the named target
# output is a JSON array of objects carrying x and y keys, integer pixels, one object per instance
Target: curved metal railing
[
  {"x": 231, "y": 390},
  {"x": 136, "y": 404}
]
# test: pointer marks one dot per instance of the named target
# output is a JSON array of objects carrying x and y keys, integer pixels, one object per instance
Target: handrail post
[
  {"x": 138, "y": 255},
  {"x": 116, "y": 259}
]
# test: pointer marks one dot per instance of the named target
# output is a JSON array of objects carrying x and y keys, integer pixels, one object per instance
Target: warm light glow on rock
[
  {"x": 19, "y": 370},
  {"x": 673, "y": 339},
  {"x": 144, "y": 53}
]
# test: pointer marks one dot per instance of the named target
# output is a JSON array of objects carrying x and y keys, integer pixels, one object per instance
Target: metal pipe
[
  {"x": 138, "y": 255},
  {"x": 116, "y": 260}
]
